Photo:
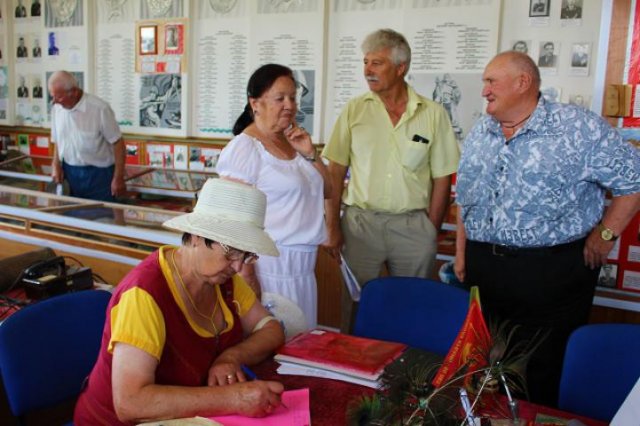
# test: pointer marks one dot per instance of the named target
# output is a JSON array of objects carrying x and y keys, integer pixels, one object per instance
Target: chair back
[
  {"x": 48, "y": 349},
  {"x": 421, "y": 313},
  {"x": 601, "y": 365}
]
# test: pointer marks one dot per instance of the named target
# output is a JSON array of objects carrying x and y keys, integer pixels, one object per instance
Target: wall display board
[
  {"x": 141, "y": 64},
  {"x": 251, "y": 34},
  {"x": 5, "y": 107},
  {"x": 562, "y": 42},
  {"x": 141, "y": 55},
  {"x": 633, "y": 68},
  {"x": 47, "y": 36},
  {"x": 451, "y": 43}
]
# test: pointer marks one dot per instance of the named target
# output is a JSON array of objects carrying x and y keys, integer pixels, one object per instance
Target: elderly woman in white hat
[{"x": 182, "y": 323}]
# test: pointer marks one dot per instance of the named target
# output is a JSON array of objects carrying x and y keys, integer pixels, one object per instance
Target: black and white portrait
[
  {"x": 539, "y": 8},
  {"x": 571, "y": 9},
  {"x": 521, "y": 46},
  {"x": 580, "y": 55},
  {"x": 37, "y": 50},
  {"x": 36, "y": 8},
  {"x": 37, "y": 88},
  {"x": 171, "y": 41},
  {"x": 23, "y": 90},
  {"x": 21, "y": 9},
  {"x": 22, "y": 51},
  {"x": 548, "y": 55},
  {"x": 608, "y": 275}
]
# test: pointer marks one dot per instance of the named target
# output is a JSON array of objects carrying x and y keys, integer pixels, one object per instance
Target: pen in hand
[
  {"x": 247, "y": 372},
  {"x": 252, "y": 376}
]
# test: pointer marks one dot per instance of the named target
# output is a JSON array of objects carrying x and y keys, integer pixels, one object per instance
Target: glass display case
[
  {"x": 148, "y": 186},
  {"x": 119, "y": 228},
  {"x": 28, "y": 172},
  {"x": 167, "y": 182}
]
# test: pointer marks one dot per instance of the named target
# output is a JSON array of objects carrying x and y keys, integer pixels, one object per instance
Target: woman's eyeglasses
[{"x": 233, "y": 255}]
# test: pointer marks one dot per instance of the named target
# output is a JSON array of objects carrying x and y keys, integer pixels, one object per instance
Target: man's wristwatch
[{"x": 606, "y": 234}]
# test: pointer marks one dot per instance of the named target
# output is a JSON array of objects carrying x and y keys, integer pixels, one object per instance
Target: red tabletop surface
[{"x": 329, "y": 399}]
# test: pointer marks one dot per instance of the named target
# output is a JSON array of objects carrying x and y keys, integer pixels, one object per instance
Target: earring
[{"x": 255, "y": 112}]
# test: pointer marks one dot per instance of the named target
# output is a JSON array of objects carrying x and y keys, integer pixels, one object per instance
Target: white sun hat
[{"x": 231, "y": 213}]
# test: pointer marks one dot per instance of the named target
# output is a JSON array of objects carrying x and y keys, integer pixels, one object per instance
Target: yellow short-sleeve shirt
[
  {"x": 138, "y": 321},
  {"x": 392, "y": 167}
]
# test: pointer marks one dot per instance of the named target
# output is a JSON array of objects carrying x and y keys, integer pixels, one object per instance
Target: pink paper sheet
[{"x": 296, "y": 413}]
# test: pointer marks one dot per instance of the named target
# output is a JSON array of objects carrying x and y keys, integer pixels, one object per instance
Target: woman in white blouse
[{"x": 271, "y": 152}]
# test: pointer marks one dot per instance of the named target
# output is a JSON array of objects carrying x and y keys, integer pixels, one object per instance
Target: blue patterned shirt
[{"x": 547, "y": 185}]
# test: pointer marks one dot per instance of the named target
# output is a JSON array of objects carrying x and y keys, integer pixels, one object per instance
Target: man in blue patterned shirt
[{"x": 531, "y": 229}]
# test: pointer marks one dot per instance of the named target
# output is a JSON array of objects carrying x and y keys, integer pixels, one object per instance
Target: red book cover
[{"x": 357, "y": 356}]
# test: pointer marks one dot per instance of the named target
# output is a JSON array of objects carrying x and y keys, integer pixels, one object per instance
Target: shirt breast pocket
[{"x": 414, "y": 155}]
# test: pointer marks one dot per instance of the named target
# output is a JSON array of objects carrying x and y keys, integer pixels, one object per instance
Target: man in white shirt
[{"x": 89, "y": 152}]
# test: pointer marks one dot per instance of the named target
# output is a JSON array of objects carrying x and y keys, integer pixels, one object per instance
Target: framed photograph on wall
[
  {"x": 538, "y": 8},
  {"x": 148, "y": 40}
]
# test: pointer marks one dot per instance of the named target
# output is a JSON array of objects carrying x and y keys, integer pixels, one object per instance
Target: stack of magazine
[{"x": 331, "y": 355}]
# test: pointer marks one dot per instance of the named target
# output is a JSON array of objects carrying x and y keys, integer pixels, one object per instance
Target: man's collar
[
  {"x": 412, "y": 97},
  {"x": 81, "y": 106}
]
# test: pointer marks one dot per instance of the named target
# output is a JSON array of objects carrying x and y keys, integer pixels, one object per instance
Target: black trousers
[{"x": 548, "y": 289}]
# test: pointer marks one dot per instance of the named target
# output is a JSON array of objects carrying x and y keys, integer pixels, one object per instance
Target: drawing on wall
[
  {"x": 280, "y": 6},
  {"x": 448, "y": 94},
  {"x": 222, "y": 6},
  {"x": 452, "y": 88},
  {"x": 151, "y": 9},
  {"x": 52, "y": 49},
  {"x": 305, "y": 98},
  {"x": 115, "y": 11},
  {"x": 571, "y": 9},
  {"x": 539, "y": 8},
  {"x": 161, "y": 101},
  {"x": 63, "y": 13}
]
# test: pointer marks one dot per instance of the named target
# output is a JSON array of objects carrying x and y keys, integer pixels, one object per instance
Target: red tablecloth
[{"x": 329, "y": 399}]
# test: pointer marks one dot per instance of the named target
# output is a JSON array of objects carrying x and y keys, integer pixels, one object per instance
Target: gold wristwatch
[{"x": 606, "y": 234}]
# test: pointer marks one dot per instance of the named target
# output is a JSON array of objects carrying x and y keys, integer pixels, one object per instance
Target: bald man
[
  {"x": 89, "y": 152},
  {"x": 532, "y": 228}
]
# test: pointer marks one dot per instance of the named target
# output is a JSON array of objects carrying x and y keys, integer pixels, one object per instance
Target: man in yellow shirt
[{"x": 401, "y": 151}]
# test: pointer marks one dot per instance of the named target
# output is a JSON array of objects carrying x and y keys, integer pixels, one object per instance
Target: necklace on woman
[
  {"x": 517, "y": 124},
  {"x": 193, "y": 305}
]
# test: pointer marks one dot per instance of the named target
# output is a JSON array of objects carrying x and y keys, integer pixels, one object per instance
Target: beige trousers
[{"x": 405, "y": 243}]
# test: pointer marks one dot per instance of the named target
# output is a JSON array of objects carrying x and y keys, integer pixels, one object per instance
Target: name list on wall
[{"x": 443, "y": 39}]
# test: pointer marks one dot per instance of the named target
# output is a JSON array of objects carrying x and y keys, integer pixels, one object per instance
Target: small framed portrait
[
  {"x": 171, "y": 37},
  {"x": 538, "y": 8},
  {"x": 148, "y": 39}
]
